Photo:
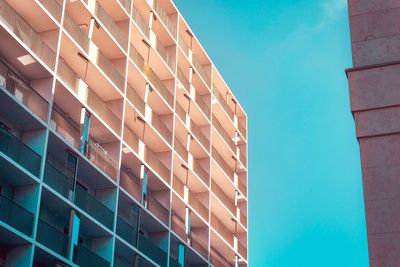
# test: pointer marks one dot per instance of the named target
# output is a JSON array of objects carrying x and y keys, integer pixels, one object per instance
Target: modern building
[
  {"x": 120, "y": 142},
  {"x": 375, "y": 102}
]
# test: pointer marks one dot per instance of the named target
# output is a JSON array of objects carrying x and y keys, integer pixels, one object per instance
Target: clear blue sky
[{"x": 285, "y": 62}]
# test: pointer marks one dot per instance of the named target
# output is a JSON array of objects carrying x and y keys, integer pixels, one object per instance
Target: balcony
[
  {"x": 131, "y": 184},
  {"x": 135, "y": 99},
  {"x": 225, "y": 136},
  {"x": 158, "y": 209},
  {"x": 222, "y": 164},
  {"x": 89, "y": 97},
  {"x": 178, "y": 226},
  {"x": 53, "y": 8},
  {"x": 15, "y": 215},
  {"x": 164, "y": 18},
  {"x": 99, "y": 157},
  {"x": 52, "y": 238},
  {"x": 18, "y": 151},
  {"x": 111, "y": 26},
  {"x": 226, "y": 201},
  {"x": 199, "y": 135},
  {"x": 126, "y": 5},
  {"x": 95, "y": 153},
  {"x": 57, "y": 180},
  {"x": 127, "y": 231},
  {"x": 223, "y": 102},
  {"x": 199, "y": 245},
  {"x": 76, "y": 33},
  {"x": 202, "y": 105},
  {"x": 159, "y": 86},
  {"x": 86, "y": 257},
  {"x": 183, "y": 45},
  {"x": 221, "y": 229},
  {"x": 23, "y": 92},
  {"x": 200, "y": 70},
  {"x": 183, "y": 80},
  {"x": 150, "y": 249},
  {"x": 142, "y": 24},
  {"x": 165, "y": 55},
  {"x": 26, "y": 34},
  {"x": 93, "y": 207},
  {"x": 155, "y": 163}
]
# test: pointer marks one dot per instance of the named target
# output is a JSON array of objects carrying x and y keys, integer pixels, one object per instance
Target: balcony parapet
[{"x": 26, "y": 34}]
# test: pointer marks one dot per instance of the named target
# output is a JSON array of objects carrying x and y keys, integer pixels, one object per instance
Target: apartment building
[
  {"x": 375, "y": 102},
  {"x": 120, "y": 142}
]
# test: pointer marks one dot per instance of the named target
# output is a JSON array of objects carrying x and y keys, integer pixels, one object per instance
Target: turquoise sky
[{"x": 285, "y": 61}]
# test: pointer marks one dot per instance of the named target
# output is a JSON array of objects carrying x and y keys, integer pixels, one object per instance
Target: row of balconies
[{"x": 95, "y": 153}]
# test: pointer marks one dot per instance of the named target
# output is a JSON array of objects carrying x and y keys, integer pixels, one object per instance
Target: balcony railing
[
  {"x": 242, "y": 188},
  {"x": 218, "y": 260},
  {"x": 15, "y": 149},
  {"x": 131, "y": 139},
  {"x": 76, "y": 33},
  {"x": 23, "y": 92},
  {"x": 199, "y": 245},
  {"x": 52, "y": 238},
  {"x": 26, "y": 34},
  {"x": 201, "y": 70},
  {"x": 242, "y": 129},
  {"x": 57, "y": 179},
  {"x": 93, "y": 207},
  {"x": 224, "y": 134},
  {"x": 111, "y": 26},
  {"x": 127, "y": 231},
  {"x": 198, "y": 169},
  {"x": 15, "y": 215},
  {"x": 143, "y": 25},
  {"x": 221, "y": 229},
  {"x": 131, "y": 184},
  {"x": 110, "y": 70},
  {"x": 53, "y": 8},
  {"x": 164, "y": 18},
  {"x": 228, "y": 203},
  {"x": 86, "y": 257},
  {"x": 203, "y": 106},
  {"x": 223, "y": 102},
  {"x": 222, "y": 164},
  {"x": 184, "y": 81},
  {"x": 136, "y": 57},
  {"x": 183, "y": 45},
  {"x": 198, "y": 206},
  {"x": 242, "y": 250},
  {"x": 157, "y": 165},
  {"x": 151, "y": 250},
  {"x": 199, "y": 135},
  {"x": 65, "y": 128},
  {"x": 243, "y": 219},
  {"x": 98, "y": 156},
  {"x": 161, "y": 127},
  {"x": 103, "y": 111},
  {"x": 158, "y": 209},
  {"x": 174, "y": 262},
  {"x": 126, "y": 4},
  {"x": 159, "y": 85},
  {"x": 89, "y": 97},
  {"x": 178, "y": 226},
  {"x": 180, "y": 112},
  {"x": 178, "y": 186},
  {"x": 135, "y": 99},
  {"x": 242, "y": 158},
  {"x": 181, "y": 150},
  {"x": 165, "y": 55}
]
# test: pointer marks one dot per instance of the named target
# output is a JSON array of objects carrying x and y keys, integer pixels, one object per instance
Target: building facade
[
  {"x": 375, "y": 102},
  {"x": 120, "y": 142}
]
